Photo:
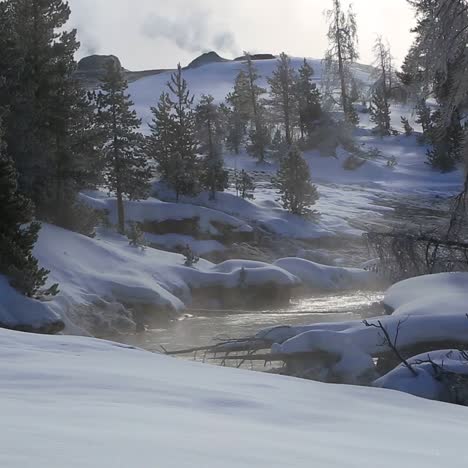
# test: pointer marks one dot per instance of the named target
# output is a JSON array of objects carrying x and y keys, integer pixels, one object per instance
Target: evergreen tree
[
  {"x": 309, "y": 100},
  {"x": 447, "y": 143},
  {"x": 423, "y": 113},
  {"x": 409, "y": 130},
  {"x": 380, "y": 111},
  {"x": 235, "y": 128},
  {"x": 283, "y": 96},
  {"x": 240, "y": 100},
  {"x": 127, "y": 173},
  {"x": 380, "y": 105},
  {"x": 245, "y": 185},
  {"x": 259, "y": 133},
  {"x": 341, "y": 54},
  {"x": 213, "y": 175},
  {"x": 184, "y": 168},
  {"x": 294, "y": 184},
  {"x": 279, "y": 147},
  {"x": 49, "y": 129},
  {"x": 160, "y": 142},
  {"x": 17, "y": 240}
]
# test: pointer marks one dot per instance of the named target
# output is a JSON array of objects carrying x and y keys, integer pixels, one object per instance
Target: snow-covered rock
[
  {"x": 82, "y": 403},
  {"x": 18, "y": 312}
]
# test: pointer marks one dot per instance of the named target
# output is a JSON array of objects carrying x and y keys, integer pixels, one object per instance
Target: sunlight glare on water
[{"x": 203, "y": 327}]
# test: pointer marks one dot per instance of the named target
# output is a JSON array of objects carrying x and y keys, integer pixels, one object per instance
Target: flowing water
[{"x": 204, "y": 327}]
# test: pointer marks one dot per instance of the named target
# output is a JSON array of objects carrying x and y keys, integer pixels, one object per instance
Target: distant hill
[
  {"x": 205, "y": 59},
  {"x": 256, "y": 57},
  {"x": 91, "y": 69}
]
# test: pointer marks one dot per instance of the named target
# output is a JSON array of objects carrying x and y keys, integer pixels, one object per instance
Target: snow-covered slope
[{"x": 80, "y": 403}]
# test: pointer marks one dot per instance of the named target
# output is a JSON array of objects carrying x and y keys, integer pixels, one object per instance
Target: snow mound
[
  {"x": 356, "y": 346},
  {"x": 83, "y": 403},
  {"x": 22, "y": 313},
  {"x": 328, "y": 278},
  {"x": 444, "y": 293},
  {"x": 431, "y": 380}
]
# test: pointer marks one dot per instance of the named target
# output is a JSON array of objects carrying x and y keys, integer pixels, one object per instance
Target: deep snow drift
[{"x": 82, "y": 403}]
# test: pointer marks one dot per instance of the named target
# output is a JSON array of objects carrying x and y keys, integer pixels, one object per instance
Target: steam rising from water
[{"x": 192, "y": 33}]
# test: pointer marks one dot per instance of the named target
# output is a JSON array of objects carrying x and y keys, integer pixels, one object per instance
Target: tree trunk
[{"x": 120, "y": 212}]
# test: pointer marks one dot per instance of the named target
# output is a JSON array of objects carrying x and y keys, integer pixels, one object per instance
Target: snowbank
[
  {"x": 18, "y": 312},
  {"x": 432, "y": 379},
  {"x": 83, "y": 403},
  {"x": 103, "y": 280},
  {"x": 328, "y": 278},
  {"x": 157, "y": 211},
  {"x": 444, "y": 293},
  {"x": 355, "y": 346}
]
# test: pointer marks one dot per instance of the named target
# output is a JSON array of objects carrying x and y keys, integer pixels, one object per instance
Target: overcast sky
[{"x": 159, "y": 33}]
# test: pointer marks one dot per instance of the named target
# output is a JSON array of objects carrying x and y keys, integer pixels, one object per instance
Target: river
[{"x": 204, "y": 327}]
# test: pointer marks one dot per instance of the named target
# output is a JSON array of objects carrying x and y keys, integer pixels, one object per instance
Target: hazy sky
[{"x": 159, "y": 33}]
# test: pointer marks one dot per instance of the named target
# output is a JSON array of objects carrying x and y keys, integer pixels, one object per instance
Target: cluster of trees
[
  {"x": 187, "y": 139},
  {"x": 436, "y": 67}
]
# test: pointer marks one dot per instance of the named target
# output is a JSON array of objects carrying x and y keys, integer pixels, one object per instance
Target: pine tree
[
  {"x": 447, "y": 142},
  {"x": 424, "y": 119},
  {"x": 380, "y": 105},
  {"x": 184, "y": 168},
  {"x": 283, "y": 97},
  {"x": 279, "y": 147},
  {"x": 259, "y": 133},
  {"x": 380, "y": 111},
  {"x": 235, "y": 128},
  {"x": 294, "y": 184},
  {"x": 409, "y": 130},
  {"x": 213, "y": 175},
  {"x": 160, "y": 141},
  {"x": 49, "y": 129},
  {"x": 309, "y": 100},
  {"x": 341, "y": 54},
  {"x": 127, "y": 173},
  {"x": 17, "y": 238},
  {"x": 245, "y": 185}
]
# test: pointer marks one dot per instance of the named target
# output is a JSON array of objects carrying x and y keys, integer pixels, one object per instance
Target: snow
[
  {"x": 426, "y": 383},
  {"x": 444, "y": 293},
  {"x": 20, "y": 312},
  {"x": 177, "y": 242},
  {"x": 82, "y": 403},
  {"x": 153, "y": 209},
  {"x": 328, "y": 278},
  {"x": 356, "y": 345}
]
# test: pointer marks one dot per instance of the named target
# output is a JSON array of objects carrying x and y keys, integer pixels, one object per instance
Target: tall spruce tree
[
  {"x": 160, "y": 141},
  {"x": 259, "y": 133},
  {"x": 283, "y": 96},
  {"x": 380, "y": 111},
  {"x": 126, "y": 169},
  {"x": 341, "y": 54},
  {"x": 214, "y": 177},
  {"x": 49, "y": 129},
  {"x": 17, "y": 237},
  {"x": 309, "y": 99},
  {"x": 380, "y": 105},
  {"x": 293, "y": 182},
  {"x": 184, "y": 166}
]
